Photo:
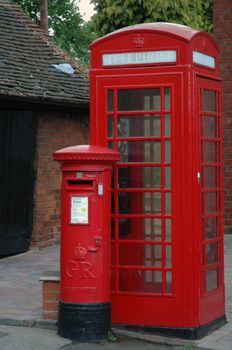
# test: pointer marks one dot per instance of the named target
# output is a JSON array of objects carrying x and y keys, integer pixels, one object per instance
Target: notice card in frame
[{"x": 80, "y": 210}]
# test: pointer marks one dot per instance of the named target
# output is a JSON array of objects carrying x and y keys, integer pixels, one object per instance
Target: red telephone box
[
  {"x": 84, "y": 309},
  {"x": 156, "y": 98}
]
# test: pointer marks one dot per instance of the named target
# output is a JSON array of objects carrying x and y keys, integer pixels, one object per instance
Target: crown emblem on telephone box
[{"x": 138, "y": 41}]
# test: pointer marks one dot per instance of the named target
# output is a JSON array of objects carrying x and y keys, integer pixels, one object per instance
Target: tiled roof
[{"x": 29, "y": 63}]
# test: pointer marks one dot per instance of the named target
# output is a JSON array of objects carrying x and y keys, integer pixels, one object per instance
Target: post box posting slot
[{"x": 80, "y": 184}]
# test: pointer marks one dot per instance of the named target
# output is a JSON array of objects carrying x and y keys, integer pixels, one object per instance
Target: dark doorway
[{"x": 17, "y": 154}]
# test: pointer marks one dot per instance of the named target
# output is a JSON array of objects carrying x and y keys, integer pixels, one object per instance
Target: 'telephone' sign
[
  {"x": 203, "y": 59},
  {"x": 127, "y": 58}
]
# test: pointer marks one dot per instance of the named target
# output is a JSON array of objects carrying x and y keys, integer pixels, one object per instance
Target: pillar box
[{"x": 84, "y": 308}]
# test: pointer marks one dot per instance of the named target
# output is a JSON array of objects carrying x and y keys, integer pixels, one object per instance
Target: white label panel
[
  {"x": 80, "y": 210},
  {"x": 203, "y": 59},
  {"x": 126, "y": 58}
]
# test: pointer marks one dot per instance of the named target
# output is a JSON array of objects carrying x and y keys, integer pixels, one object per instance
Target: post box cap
[{"x": 86, "y": 152}]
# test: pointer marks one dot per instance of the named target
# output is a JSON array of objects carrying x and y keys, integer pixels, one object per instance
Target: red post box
[
  {"x": 84, "y": 309},
  {"x": 156, "y": 97}
]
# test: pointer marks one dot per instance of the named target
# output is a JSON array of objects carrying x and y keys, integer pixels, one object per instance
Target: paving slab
[{"x": 21, "y": 293}]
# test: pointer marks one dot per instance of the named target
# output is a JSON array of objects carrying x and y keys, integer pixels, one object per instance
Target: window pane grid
[
  {"x": 142, "y": 190},
  {"x": 211, "y": 190}
]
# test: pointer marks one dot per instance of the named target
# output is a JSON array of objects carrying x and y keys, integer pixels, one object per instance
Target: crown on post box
[{"x": 80, "y": 253}]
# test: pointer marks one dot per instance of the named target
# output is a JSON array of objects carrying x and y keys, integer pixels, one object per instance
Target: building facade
[
  {"x": 222, "y": 19},
  {"x": 44, "y": 106}
]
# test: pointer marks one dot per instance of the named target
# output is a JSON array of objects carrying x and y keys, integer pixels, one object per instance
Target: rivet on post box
[{"x": 84, "y": 308}]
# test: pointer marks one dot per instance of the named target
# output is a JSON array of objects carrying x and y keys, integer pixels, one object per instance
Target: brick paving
[
  {"x": 20, "y": 289},
  {"x": 21, "y": 292}
]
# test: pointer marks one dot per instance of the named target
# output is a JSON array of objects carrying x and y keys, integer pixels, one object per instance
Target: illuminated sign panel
[
  {"x": 203, "y": 59},
  {"x": 127, "y": 58}
]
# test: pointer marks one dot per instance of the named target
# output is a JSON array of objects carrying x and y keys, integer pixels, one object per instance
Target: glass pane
[
  {"x": 124, "y": 180},
  {"x": 152, "y": 151},
  {"x": 167, "y": 177},
  {"x": 139, "y": 228},
  {"x": 156, "y": 277},
  {"x": 112, "y": 227},
  {"x": 153, "y": 255},
  {"x": 167, "y": 151},
  {"x": 211, "y": 253},
  {"x": 111, "y": 145},
  {"x": 153, "y": 229},
  {"x": 139, "y": 177},
  {"x": 210, "y": 202},
  {"x": 140, "y": 125},
  {"x": 110, "y": 126},
  {"x": 125, "y": 227},
  {"x": 138, "y": 99},
  {"x": 167, "y": 98},
  {"x": 156, "y": 196},
  {"x": 168, "y": 256},
  {"x": 152, "y": 126},
  {"x": 112, "y": 280},
  {"x": 140, "y": 281},
  {"x": 168, "y": 282},
  {"x": 124, "y": 202},
  {"x": 112, "y": 205},
  {"x": 147, "y": 198},
  {"x": 211, "y": 279},
  {"x": 167, "y": 125},
  {"x": 211, "y": 227},
  {"x": 139, "y": 151},
  {"x": 210, "y": 127},
  {"x": 209, "y": 101},
  {"x": 139, "y": 202},
  {"x": 209, "y": 177},
  {"x": 113, "y": 254},
  {"x": 210, "y": 151},
  {"x": 168, "y": 229},
  {"x": 168, "y": 203},
  {"x": 152, "y": 177},
  {"x": 156, "y": 257},
  {"x": 140, "y": 255},
  {"x": 110, "y": 106}
]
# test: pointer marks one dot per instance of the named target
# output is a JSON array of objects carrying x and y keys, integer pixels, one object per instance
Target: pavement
[{"x": 22, "y": 327}]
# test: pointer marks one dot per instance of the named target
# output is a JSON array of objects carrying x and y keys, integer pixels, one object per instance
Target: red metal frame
[
  {"x": 136, "y": 302},
  {"x": 215, "y": 257}
]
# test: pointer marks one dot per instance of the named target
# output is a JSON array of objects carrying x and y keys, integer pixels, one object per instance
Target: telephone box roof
[{"x": 179, "y": 31}]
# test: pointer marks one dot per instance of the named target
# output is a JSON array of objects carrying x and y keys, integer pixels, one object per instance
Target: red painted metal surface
[
  {"x": 165, "y": 270},
  {"x": 211, "y": 198},
  {"x": 85, "y": 222}
]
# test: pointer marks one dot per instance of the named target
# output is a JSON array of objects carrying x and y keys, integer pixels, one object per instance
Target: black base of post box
[{"x": 85, "y": 322}]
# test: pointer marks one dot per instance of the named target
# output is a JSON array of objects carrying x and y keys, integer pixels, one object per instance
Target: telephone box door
[
  {"x": 141, "y": 118},
  {"x": 210, "y": 198}
]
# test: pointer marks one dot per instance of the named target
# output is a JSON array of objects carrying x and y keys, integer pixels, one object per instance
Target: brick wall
[
  {"x": 55, "y": 130},
  {"x": 50, "y": 294},
  {"x": 222, "y": 23}
]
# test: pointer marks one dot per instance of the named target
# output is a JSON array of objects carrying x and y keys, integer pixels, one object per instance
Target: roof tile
[{"x": 27, "y": 56}]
